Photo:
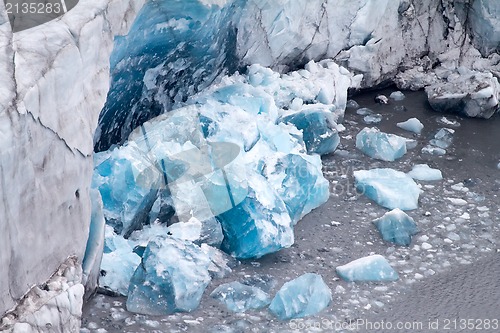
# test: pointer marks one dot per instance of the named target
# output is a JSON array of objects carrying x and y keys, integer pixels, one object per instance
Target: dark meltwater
[{"x": 447, "y": 275}]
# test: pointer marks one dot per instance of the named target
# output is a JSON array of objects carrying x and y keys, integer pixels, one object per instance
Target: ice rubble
[
  {"x": 380, "y": 145},
  {"x": 389, "y": 188},
  {"x": 396, "y": 227},
  {"x": 304, "y": 296},
  {"x": 239, "y": 297},
  {"x": 425, "y": 173},
  {"x": 413, "y": 125},
  {"x": 372, "y": 268}
]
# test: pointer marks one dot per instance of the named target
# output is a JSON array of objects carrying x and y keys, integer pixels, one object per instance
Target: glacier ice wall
[
  {"x": 53, "y": 82},
  {"x": 179, "y": 47}
]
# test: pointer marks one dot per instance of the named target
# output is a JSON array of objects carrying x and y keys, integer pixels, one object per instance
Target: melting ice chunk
[
  {"x": 380, "y": 145},
  {"x": 306, "y": 295},
  {"x": 443, "y": 138},
  {"x": 397, "y": 96},
  {"x": 396, "y": 227},
  {"x": 240, "y": 298},
  {"x": 412, "y": 125},
  {"x": 319, "y": 130},
  {"x": 371, "y": 268},
  {"x": 433, "y": 150},
  {"x": 373, "y": 118},
  {"x": 425, "y": 173},
  {"x": 171, "y": 278},
  {"x": 389, "y": 188}
]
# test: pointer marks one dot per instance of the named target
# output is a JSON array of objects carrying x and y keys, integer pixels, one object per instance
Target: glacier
[{"x": 55, "y": 78}]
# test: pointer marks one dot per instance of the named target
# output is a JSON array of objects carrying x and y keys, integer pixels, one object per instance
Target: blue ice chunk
[
  {"x": 305, "y": 296},
  {"x": 221, "y": 263},
  {"x": 352, "y": 104},
  {"x": 319, "y": 130},
  {"x": 257, "y": 226},
  {"x": 239, "y": 297},
  {"x": 425, "y": 173},
  {"x": 299, "y": 182},
  {"x": 372, "y": 268},
  {"x": 443, "y": 138},
  {"x": 389, "y": 188},
  {"x": 208, "y": 231},
  {"x": 380, "y": 145},
  {"x": 128, "y": 183},
  {"x": 396, "y": 227},
  {"x": 397, "y": 96},
  {"x": 412, "y": 125},
  {"x": 171, "y": 278},
  {"x": 436, "y": 151},
  {"x": 364, "y": 112},
  {"x": 118, "y": 263}
]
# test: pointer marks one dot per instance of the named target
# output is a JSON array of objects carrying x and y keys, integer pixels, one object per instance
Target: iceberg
[
  {"x": 172, "y": 277},
  {"x": 389, "y": 188},
  {"x": 304, "y": 296},
  {"x": 239, "y": 297},
  {"x": 374, "y": 268},
  {"x": 380, "y": 145},
  {"x": 396, "y": 227},
  {"x": 412, "y": 125},
  {"x": 425, "y": 173}
]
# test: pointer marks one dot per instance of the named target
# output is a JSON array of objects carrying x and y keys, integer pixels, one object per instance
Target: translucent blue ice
[
  {"x": 396, "y": 227},
  {"x": 372, "y": 268},
  {"x": 128, "y": 185},
  {"x": 380, "y": 145},
  {"x": 239, "y": 297},
  {"x": 425, "y": 173},
  {"x": 305, "y": 296},
  {"x": 397, "y": 96},
  {"x": 171, "y": 278},
  {"x": 389, "y": 188},
  {"x": 412, "y": 125},
  {"x": 319, "y": 128}
]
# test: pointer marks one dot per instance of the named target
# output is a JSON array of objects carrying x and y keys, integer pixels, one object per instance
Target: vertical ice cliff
[{"x": 53, "y": 83}]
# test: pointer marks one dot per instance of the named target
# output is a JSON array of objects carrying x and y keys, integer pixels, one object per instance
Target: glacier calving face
[{"x": 53, "y": 84}]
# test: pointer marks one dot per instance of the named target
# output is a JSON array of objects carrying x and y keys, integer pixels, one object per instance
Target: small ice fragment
[
  {"x": 396, "y": 227},
  {"x": 457, "y": 202},
  {"x": 364, "y": 112},
  {"x": 306, "y": 295},
  {"x": 371, "y": 268},
  {"x": 433, "y": 151},
  {"x": 412, "y": 125},
  {"x": 380, "y": 145},
  {"x": 352, "y": 104},
  {"x": 373, "y": 118},
  {"x": 397, "y": 96},
  {"x": 239, "y": 297},
  {"x": 425, "y": 173}
]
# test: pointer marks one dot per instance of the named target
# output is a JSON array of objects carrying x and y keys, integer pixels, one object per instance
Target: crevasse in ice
[
  {"x": 380, "y": 145},
  {"x": 396, "y": 227},
  {"x": 304, "y": 296},
  {"x": 371, "y": 268},
  {"x": 388, "y": 187}
]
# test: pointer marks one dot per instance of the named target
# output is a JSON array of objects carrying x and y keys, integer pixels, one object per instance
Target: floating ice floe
[
  {"x": 412, "y": 125},
  {"x": 239, "y": 297},
  {"x": 306, "y": 295},
  {"x": 425, "y": 173},
  {"x": 443, "y": 138},
  {"x": 352, "y": 104},
  {"x": 380, "y": 145},
  {"x": 372, "y": 268},
  {"x": 397, "y": 96},
  {"x": 436, "y": 151},
  {"x": 396, "y": 227},
  {"x": 364, "y": 111},
  {"x": 389, "y": 188},
  {"x": 373, "y": 118},
  {"x": 171, "y": 278}
]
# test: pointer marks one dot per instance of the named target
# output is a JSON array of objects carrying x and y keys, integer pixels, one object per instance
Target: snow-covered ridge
[{"x": 53, "y": 83}]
